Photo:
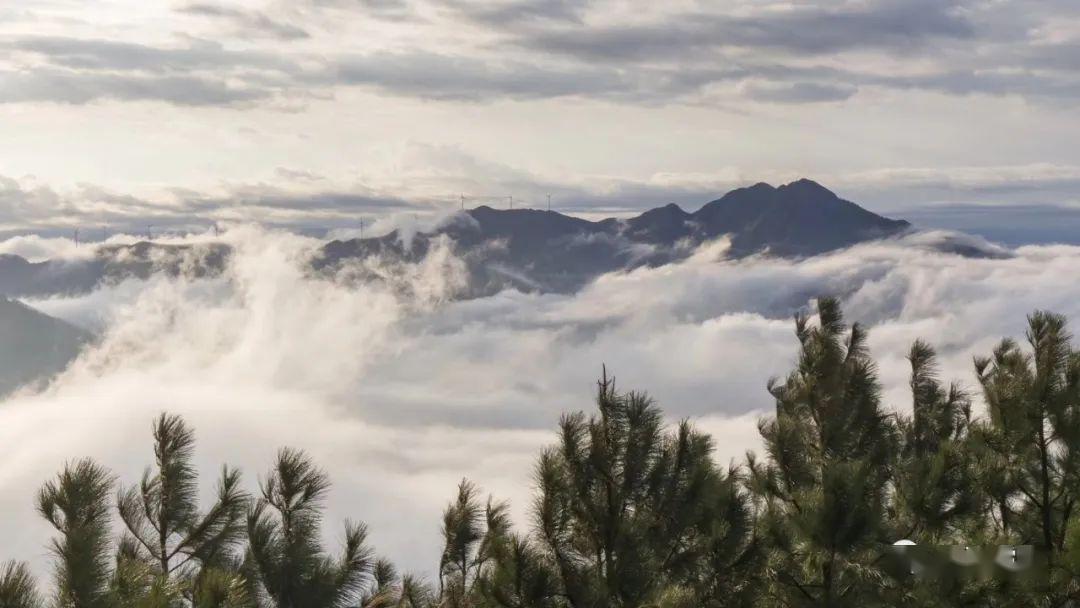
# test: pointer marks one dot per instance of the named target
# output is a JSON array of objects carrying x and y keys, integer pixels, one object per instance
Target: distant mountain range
[
  {"x": 547, "y": 251},
  {"x": 526, "y": 249},
  {"x": 33, "y": 345},
  {"x": 22, "y": 278}
]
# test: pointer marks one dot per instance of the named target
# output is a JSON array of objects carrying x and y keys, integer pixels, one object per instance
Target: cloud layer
[
  {"x": 402, "y": 391},
  {"x": 671, "y": 53}
]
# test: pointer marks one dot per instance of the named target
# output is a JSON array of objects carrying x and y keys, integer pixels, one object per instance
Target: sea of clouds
[{"x": 399, "y": 389}]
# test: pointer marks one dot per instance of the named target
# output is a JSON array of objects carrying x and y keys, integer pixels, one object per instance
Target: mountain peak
[
  {"x": 807, "y": 186},
  {"x": 668, "y": 209}
]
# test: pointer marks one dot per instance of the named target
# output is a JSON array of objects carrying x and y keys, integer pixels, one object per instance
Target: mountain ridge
[
  {"x": 526, "y": 249},
  {"x": 561, "y": 253},
  {"x": 36, "y": 345}
]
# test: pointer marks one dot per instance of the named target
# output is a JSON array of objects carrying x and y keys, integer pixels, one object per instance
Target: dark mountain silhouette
[
  {"x": 798, "y": 219},
  {"x": 526, "y": 249},
  {"x": 35, "y": 345},
  {"x": 19, "y": 277},
  {"x": 547, "y": 251}
]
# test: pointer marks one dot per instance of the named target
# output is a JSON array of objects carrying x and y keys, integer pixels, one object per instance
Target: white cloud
[{"x": 38, "y": 249}]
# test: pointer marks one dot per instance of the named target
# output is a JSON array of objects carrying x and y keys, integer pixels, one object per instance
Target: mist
[{"x": 399, "y": 389}]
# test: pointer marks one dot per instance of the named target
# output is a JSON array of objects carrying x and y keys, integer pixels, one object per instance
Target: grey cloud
[
  {"x": 987, "y": 81},
  {"x": 679, "y": 58},
  {"x": 186, "y": 77},
  {"x": 795, "y": 84},
  {"x": 277, "y": 199},
  {"x": 49, "y": 212},
  {"x": 798, "y": 92},
  {"x": 1064, "y": 57},
  {"x": 516, "y": 12},
  {"x": 885, "y": 24},
  {"x": 78, "y": 87},
  {"x": 466, "y": 78},
  {"x": 81, "y": 70},
  {"x": 384, "y": 8},
  {"x": 890, "y": 24},
  {"x": 19, "y": 204},
  {"x": 97, "y": 54},
  {"x": 663, "y": 62},
  {"x": 249, "y": 22},
  {"x": 445, "y": 77},
  {"x": 659, "y": 63},
  {"x": 389, "y": 10}
]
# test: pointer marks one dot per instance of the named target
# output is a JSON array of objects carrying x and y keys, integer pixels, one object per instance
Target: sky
[{"x": 167, "y": 115}]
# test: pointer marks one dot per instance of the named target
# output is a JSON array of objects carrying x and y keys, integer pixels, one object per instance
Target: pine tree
[
  {"x": 485, "y": 564},
  {"x": 824, "y": 488},
  {"x": 627, "y": 511},
  {"x": 936, "y": 499},
  {"x": 285, "y": 561},
  {"x": 1032, "y": 436},
  {"x": 221, "y": 588},
  {"x": 77, "y": 505},
  {"x": 388, "y": 589},
  {"x": 520, "y": 576},
  {"x": 471, "y": 535},
  {"x": 935, "y": 486},
  {"x": 167, "y": 536},
  {"x": 17, "y": 587}
]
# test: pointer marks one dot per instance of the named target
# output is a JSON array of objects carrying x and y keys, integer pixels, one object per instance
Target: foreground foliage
[{"x": 629, "y": 512}]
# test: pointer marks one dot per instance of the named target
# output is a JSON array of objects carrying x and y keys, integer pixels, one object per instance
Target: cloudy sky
[{"x": 314, "y": 113}]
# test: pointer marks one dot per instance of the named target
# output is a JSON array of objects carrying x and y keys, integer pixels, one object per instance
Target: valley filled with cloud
[{"x": 399, "y": 388}]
